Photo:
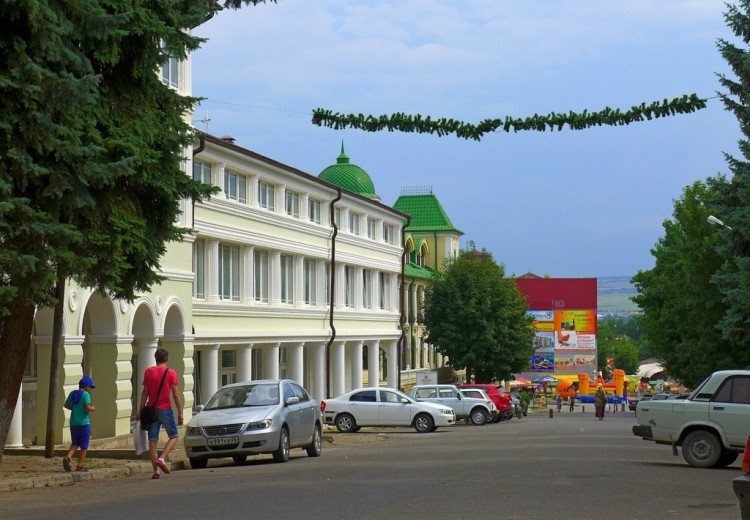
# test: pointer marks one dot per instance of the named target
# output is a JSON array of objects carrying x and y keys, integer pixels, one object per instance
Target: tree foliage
[
  {"x": 732, "y": 203},
  {"x": 540, "y": 123},
  {"x": 617, "y": 338},
  {"x": 681, "y": 307},
  {"x": 477, "y": 317},
  {"x": 91, "y": 154}
]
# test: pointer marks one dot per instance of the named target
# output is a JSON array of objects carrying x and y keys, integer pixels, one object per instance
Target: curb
[{"x": 69, "y": 479}]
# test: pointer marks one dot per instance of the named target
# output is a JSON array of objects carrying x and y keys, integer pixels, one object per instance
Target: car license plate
[{"x": 223, "y": 441}]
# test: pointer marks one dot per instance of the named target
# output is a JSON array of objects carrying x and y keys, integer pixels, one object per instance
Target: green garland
[{"x": 553, "y": 121}]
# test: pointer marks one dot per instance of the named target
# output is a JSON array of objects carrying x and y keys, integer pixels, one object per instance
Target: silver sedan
[{"x": 241, "y": 419}]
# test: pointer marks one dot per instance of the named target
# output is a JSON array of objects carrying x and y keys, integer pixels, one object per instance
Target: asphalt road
[{"x": 568, "y": 467}]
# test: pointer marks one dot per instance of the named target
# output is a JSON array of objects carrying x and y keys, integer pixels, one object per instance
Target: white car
[{"x": 384, "y": 407}]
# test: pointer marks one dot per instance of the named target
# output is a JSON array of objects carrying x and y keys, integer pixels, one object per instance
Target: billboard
[{"x": 565, "y": 328}]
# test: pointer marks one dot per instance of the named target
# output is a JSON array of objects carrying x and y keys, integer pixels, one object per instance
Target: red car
[{"x": 501, "y": 400}]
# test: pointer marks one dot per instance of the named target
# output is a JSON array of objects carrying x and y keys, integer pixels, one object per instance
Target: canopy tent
[
  {"x": 520, "y": 381},
  {"x": 649, "y": 370}
]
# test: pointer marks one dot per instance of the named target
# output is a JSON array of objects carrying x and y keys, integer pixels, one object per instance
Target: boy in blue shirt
[{"x": 79, "y": 404}]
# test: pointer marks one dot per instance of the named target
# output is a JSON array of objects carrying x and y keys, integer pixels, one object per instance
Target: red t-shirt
[{"x": 152, "y": 380}]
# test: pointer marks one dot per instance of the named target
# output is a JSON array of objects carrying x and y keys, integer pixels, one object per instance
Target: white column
[
  {"x": 373, "y": 363},
  {"x": 340, "y": 286},
  {"x": 338, "y": 378},
  {"x": 280, "y": 203},
  {"x": 318, "y": 362},
  {"x": 212, "y": 271},
  {"x": 248, "y": 275},
  {"x": 252, "y": 187},
  {"x": 295, "y": 362},
  {"x": 271, "y": 361},
  {"x": 146, "y": 350},
  {"x": 356, "y": 361},
  {"x": 209, "y": 371},
  {"x": 274, "y": 285},
  {"x": 15, "y": 433},
  {"x": 245, "y": 362},
  {"x": 413, "y": 299},
  {"x": 393, "y": 363},
  {"x": 304, "y": 213}
]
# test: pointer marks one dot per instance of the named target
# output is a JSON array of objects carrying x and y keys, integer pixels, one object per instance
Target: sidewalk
[{"x": 27, "y": 468}]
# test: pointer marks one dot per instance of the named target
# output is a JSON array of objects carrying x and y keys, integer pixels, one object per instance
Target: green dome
[{"x": 349, "y": 176}]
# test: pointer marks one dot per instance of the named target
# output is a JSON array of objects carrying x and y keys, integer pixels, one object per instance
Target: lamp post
[{"x": 716, "y": 222}]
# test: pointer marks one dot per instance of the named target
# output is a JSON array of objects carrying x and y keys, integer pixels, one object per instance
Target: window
[
  {"x": 384, "y": 296},
  {"x": 365, "y": 396},
  {"x": 169, "y": 74},
  {"x": 370, "y": 228},
  {"x": 261, "y": 276},
  {"x": 266, "y": 196},
  {"x": 228, "y": 367},
  {"x": 287, "y": 279},
  {"x": 292, "y": 204},
  {"x": 367, "y": 288},
  {"x": 229, "y": 272},
  {"x": 235, "y": 186},
  {"x": 199, "y": 269},
  {"x": 337, "y": 217},
  {"x": 310, "y": 273},
  {"x": 353, "y": 223},
  {"x": 388, "y": 233},
  {"x": 202, "y": 172},
  {"x": 348, "y": 286},
  {"x": 327, "y": 284},
  {"x": 313, "y": 210}
]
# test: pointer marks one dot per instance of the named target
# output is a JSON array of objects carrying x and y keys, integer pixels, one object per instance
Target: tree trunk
[
  {"x": 15, "y": 339},
  {"x": 54, "y": 373}
]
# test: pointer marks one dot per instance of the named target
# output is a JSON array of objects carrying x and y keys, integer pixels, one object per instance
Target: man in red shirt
[{"x": 159, "y": 382}]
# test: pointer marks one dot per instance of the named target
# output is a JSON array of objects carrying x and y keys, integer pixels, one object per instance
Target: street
[{"x": 568, "y": 467}]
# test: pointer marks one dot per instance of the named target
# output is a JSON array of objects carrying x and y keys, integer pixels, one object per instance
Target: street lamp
[{"x": 716, "y": 222}]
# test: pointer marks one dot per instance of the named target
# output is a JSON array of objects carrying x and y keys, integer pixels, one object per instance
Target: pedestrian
[
  {"x": 573, "y": 401},
  {"x": 600, "y": 401},
  {"x": 558, "y": 402},
  {"x": 79, "y": 404},
  {"x": 159, "y": 383}
]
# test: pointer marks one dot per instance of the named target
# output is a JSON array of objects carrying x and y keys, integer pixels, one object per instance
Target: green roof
[
  {"x": 426, "y": 213},
  {"x": 349, "y": 176},
  {"x": 414, "y": 271}
]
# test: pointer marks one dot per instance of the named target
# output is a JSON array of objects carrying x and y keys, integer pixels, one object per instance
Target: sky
[{"x": 586, "y": 203}]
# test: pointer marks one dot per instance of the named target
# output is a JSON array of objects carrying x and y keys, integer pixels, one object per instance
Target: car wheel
[
  {"x": 701, "y": 449},
  {"x": 727, "y": 458},
  {"x": 239, "y": 459},
  {"x": 282, "y": 452},
  {"x": 198, "y": 463},
  {"x": 345, "y": 423},
  {"x": 424, "y": 423},
  {"x": 316, "y": 446},
  {"x": 478, "y": 417}
]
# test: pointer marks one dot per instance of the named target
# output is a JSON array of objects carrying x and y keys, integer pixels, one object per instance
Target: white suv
[{"x": 478, "y": 411}]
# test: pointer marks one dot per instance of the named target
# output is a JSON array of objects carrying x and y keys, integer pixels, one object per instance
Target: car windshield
[{"x": 244, "y": 396}]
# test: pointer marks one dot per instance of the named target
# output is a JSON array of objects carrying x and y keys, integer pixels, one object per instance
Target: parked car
[
  {"x": 384, "y": 407},
  {"x": 519, "y": 406},
  {"x": 265, "y": 416},
  {"x": 501, "y": 400},
  {"x": 711, "y": 425},
  {"x": 477, "y": 410}
]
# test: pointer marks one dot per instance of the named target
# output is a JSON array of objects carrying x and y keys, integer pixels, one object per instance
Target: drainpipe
[
  {"x": 196, "y": 151},
  {"x": 331, "y": 292},
  {"x": 402, "y": 316}
]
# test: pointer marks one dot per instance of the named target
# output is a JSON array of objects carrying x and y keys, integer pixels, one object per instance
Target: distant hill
[{"x": 613, "y": 295}]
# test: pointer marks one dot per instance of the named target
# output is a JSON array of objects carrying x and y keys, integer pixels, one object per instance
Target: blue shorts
[
  {"x": 165, "y": 418},
  {"x": 80, "y": 436}
]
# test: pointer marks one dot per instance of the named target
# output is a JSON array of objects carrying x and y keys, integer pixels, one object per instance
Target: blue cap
[{"x": 86, "y": 381}]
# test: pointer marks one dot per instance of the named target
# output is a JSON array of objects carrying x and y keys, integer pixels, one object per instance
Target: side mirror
[
  {"x": 404, "y": 400},
  {"x": 292, "y": 400},
  {"x": 197, "y": 409}
]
